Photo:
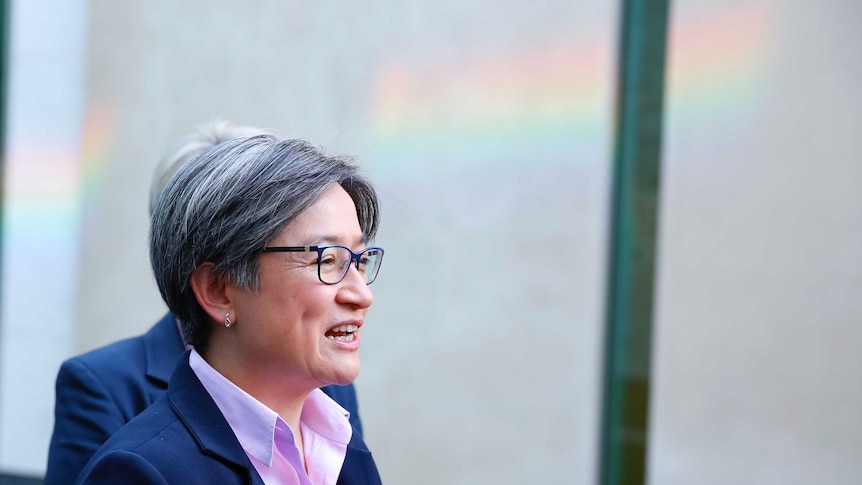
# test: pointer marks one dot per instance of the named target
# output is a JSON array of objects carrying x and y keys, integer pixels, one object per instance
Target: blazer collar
[
  {"x": 359, "y": 467},
  {"x": 205, "y": 422},
  {"x": 197, "y": 410},
  {"x": 163, "y": 346}
]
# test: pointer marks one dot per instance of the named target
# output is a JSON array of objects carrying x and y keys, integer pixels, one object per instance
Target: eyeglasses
[{"x": 334, "y": 261}]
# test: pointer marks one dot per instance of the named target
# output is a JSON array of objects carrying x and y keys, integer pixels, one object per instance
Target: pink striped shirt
[{"x": 268, "y": 440}]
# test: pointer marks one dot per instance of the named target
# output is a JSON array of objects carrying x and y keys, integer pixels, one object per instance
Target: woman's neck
[{"x": 274, "y": 388}]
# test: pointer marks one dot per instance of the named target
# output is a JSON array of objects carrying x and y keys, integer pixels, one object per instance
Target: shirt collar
[
  {"x": 254, "y": 424},
  {"x": 326, "y": 417}
]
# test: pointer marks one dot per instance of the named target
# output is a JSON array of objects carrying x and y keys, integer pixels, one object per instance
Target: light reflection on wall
[
  {"x": 534, "y": 119},
  {"x": 493, "y": 175},
  {"x": 41, "y": 221}
]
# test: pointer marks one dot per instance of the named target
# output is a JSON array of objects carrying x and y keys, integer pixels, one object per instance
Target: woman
[{"x": 258, "y": 246}]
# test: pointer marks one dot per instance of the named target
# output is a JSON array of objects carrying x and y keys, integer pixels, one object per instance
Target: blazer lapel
[
  {"x": 359, "y": 467},
  {"x": 205, "y": 422},
  {"x": 163, "y": 346}
]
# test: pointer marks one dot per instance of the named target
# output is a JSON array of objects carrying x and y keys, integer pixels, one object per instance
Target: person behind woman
[{"x": 259, "y": 247}]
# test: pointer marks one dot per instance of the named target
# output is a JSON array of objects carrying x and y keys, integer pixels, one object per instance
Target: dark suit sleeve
[
  {"x": 121, "y": 468},
  {"x": 85, "y": 416}
]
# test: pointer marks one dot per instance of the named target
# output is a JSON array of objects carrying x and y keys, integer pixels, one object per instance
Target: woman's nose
[{"x": 354, "y": 290}]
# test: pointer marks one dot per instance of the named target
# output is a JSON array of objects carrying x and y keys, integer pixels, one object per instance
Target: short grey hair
[
  {"x": 226, "y": 204},
  {"x": 203, "y": 137}
]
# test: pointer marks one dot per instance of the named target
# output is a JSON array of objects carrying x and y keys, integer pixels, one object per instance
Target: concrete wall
[
  {"x": 758, "y": 354},
  {"x": 41, "y": 210},
  {"x": 486, "y": 126}
]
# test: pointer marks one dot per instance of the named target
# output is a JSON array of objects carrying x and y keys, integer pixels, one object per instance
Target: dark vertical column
[
  {"x": 631, "y": 270},
  {"x": 4, "y": 74},
  {"x": 4, "y": 70}
]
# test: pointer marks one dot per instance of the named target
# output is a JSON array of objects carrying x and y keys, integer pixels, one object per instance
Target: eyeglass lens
[{"x": 335, "y": 262}]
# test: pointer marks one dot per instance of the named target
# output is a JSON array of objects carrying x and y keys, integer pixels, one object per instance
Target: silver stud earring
[{"x": 227, "y": 322}]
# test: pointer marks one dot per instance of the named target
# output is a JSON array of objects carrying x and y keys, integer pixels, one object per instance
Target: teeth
[
  {"x": 344, "y": 333},
  {"x": 343, "y": 338}
]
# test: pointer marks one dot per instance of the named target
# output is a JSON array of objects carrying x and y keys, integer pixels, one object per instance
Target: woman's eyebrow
[{"x": 330, "y": 239}]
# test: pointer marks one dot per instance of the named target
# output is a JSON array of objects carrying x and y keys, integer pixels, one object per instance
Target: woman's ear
[{"x": 210, "y": 291}]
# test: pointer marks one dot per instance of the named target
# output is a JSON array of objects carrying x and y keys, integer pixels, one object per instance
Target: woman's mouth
[{"x": 343, "y": 333}]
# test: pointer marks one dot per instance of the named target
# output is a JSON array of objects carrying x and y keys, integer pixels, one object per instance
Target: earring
[{"x": 227, "y": 322}]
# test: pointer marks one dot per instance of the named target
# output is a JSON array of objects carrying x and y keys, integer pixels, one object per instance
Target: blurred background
[{"x": 489, "y": 129}]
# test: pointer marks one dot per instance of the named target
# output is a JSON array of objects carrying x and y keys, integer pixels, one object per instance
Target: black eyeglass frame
[{"x": 354, "y": 257}]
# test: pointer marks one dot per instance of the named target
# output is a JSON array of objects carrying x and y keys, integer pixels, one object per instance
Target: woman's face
[{"x": 286, "y": 331}]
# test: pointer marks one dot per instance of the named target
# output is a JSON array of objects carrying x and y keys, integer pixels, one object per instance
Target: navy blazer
[
  {"x": 183, "y": 438},
  {"x": 100, "y": 391}
]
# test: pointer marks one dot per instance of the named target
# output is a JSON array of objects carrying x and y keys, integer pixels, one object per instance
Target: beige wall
[
  {"x": 758, "y": 358},
  {"x": 44, "y": 75},
  {"x": 486, "y": 126}
]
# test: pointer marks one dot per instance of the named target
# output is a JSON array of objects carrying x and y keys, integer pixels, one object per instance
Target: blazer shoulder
[
  {"x": 133, "y": 467},
  {"x": 152, "y": 354},
  {"x": 159, "y": 445},
  {"x": 106, "y": 363},
  {"x": 124, "y": 466},
  {"x": 154, "y": 447}
]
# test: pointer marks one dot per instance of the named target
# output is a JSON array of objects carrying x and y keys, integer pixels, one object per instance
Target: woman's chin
[{"x": 345, "y": 374}]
